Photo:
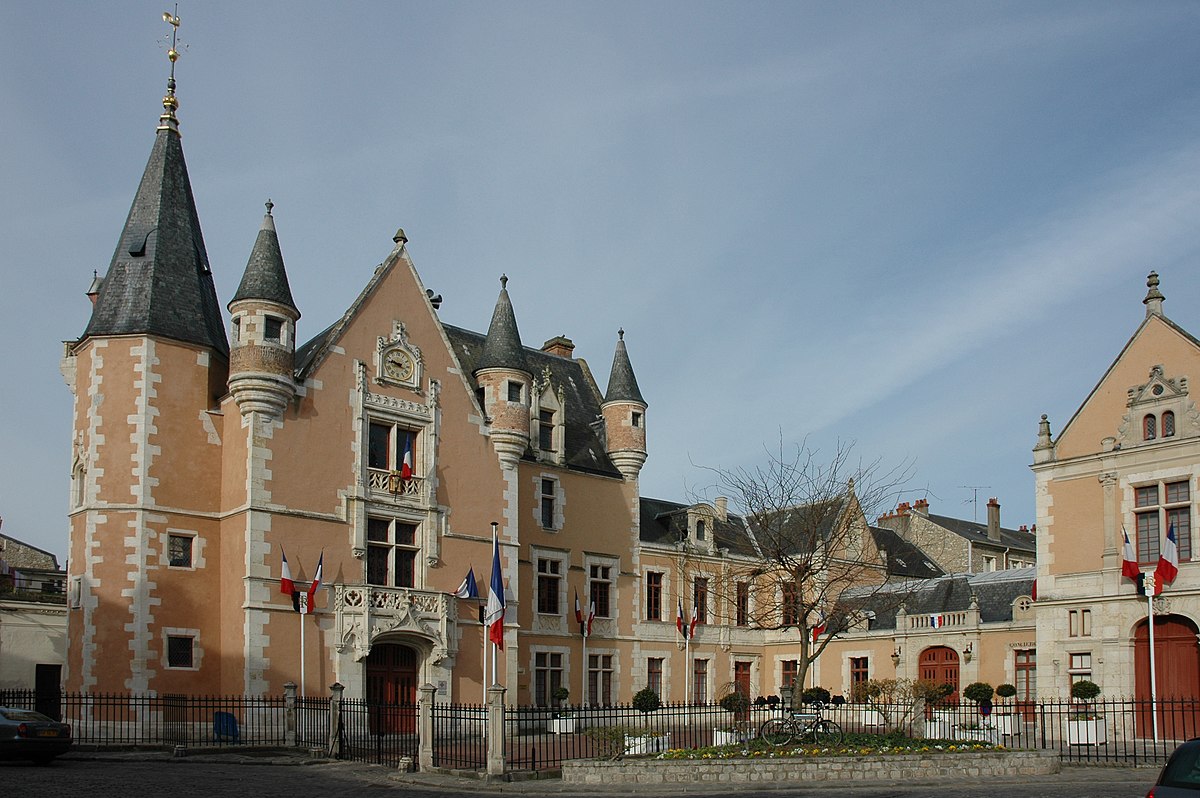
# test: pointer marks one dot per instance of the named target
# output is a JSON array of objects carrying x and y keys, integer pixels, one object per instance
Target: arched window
[
  {"x": 1168, "y": 424},
  {"x": 1149, "y": 427}
]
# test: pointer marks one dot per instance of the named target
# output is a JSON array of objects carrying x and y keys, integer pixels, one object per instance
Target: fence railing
[{"x": 432, "y": 734}]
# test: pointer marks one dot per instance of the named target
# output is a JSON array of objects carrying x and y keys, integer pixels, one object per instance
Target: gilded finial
[{"x": 168, "y": 121}]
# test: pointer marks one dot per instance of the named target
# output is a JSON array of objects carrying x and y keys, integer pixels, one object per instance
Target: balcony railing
[
  {"x": 945, "y": 619},
  {"x": 384, "y": 481}
]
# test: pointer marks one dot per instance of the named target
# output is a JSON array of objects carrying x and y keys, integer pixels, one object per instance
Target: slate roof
[
  {"x": 503, "y": 347},
  {"x": 622, "y": 384},
  {"x": 665, "y": 523},
  {"x": 904, "y": 559},
  {"x": 977, "y": 533},
  {"x": 265, "y": 276},
  {"x": 995, "y": 592},
  {"x": 583, "y": 445},
  {"x": 159, "y": 281}
]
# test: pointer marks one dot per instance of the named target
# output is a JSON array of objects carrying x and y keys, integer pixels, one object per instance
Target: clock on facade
[{"x": 398, "y": 365}]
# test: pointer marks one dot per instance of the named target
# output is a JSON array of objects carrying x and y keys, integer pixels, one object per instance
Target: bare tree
[{"x": 809, "y": 561}]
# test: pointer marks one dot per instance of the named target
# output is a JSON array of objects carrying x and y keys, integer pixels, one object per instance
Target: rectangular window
[
  {"x": 701, "y": 531},
  {"x": 546, "y": 430},
  {"x": 237, "y": 329},
  {"x": 1161, "y": 508},
  {"x": 549, "y": 489},
  {"x": 386, "y": 445},
  {"x": 989, "y": 564},
  {"x": 654, "y": 585},
  {"x": 1079, "y": 623},
  {"x": 547, "y": 677},
  {"x": 654, "y": 674},
  {"x": 600, "y": 671},
  {"x": 1081, "y": 667},
  {"x": 180, "y": 652},
  {"x": 599, "y": 586},
  {"x": 1146, "y": 496},
  {"x": 700, "y": 682},
  {"x": 547, "y": 586},
  {"x": 742, "y": 610},
  {"x": 789, "y": 674},
  {"x": 636, "y": 419},
  {"x": 860, "y": 672},
  {"x": 391, "y": 553},
  {"x": 273, "y": 329},
  {"x": 1025, "y": 674},
  {"x": 179, "y": 551},
  {"x": 790, "y": 605},
  {"x": 1147, "y": 538},
  {"x": 514, "y": 391},
  {"x": 700, "y": 599}
]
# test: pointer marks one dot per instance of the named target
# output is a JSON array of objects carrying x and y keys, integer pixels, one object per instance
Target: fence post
[
  {"x": 335, "y": 717},
  {"x": 495, "y": 730},
  {"x": 425, "y": 727},
  {"x": 289, "y": 714}
]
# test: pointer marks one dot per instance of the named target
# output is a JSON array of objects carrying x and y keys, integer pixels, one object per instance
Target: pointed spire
[
  {"x": 170, "y": 104},
  {"x": 265, "y": 277},
  {"x": 622, "y": 384},
  {"x": 1044, "y": 449},
  {"x": 502, "y": 348},
  {"x": 1154, "y": 297}
]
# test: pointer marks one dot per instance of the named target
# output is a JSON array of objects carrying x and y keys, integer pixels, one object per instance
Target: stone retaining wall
[{"x": 906, "y": 767}]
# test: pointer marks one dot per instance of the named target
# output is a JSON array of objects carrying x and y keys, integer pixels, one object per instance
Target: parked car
[
  {"x": 1180, "y": 777},
  {"x": 25, "y": 734}
]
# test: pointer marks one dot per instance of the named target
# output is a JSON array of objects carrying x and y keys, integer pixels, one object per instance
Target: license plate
[{"x": 47, "y": 732}]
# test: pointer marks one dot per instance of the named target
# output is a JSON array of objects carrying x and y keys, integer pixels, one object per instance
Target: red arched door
[
  {"x": 392, "y": 688},
  {"x": 1176, "y": 671},
  {"x": 939, "y": 664}
]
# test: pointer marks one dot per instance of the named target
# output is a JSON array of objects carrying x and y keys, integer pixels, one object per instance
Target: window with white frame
[
  {"x": 548, "y": 496},
  {"x": 1080, "y": 667},
  {"x": 654, "y": 674},
  {"x": 1160, "y": 507},
  {"x": 700, "y": 599},
  {"x": 600, "y": 678},
  {"x": 179, "y": 550},
  {"x": 700, "y": 681},
  {"x": 1079, "y": 623},
  {"x": 549, "y": 581},
  {"x": 547, "y": 677},
  {"x": 600, "y": 589},
  {"x": 654, "y": 595},
  {"x": 391, "y": 552},
  {"x": 387, "y": 445},
  {"x": 273, "y": 329},
  {"x": 181, "y": 652}
]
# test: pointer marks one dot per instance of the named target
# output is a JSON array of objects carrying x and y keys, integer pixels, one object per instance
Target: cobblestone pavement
[{"x": 136, "y": 775}]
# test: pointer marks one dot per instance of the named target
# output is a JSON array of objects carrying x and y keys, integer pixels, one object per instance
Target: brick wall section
[{"x": 983, "y": 764}]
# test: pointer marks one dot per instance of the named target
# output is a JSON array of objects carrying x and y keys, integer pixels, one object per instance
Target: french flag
[
  {"x": 679, "y": 620},
  {"x": 494, "y": 613},
  {"x": 316, "y": 585},
  {"x": 819, "y": 629},
  {"x": 1168, "y": 561},
  {"x": 1129, "y": 565},
  {"x": 692, "y": 625},
  {"x": 286, "y": 586},
  {"x": 406, "y": 465},
  {"x": 935, "y": 621},
  {"x": 591, "y": 617}
]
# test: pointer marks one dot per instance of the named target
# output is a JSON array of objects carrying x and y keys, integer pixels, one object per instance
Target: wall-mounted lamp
[
  {"x": 896, "y": 657},
  {"x": 967, "y": 653}
]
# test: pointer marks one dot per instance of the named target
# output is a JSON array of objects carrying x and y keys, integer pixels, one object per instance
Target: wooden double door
[{"x": 392, "y": 689}]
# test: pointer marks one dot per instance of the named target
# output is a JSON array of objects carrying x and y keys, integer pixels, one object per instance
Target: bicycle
[{"x": 807, "y": 723}]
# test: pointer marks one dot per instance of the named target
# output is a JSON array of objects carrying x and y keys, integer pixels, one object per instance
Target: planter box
[
  {"x": 986, "y": 734},
  {"x": 1008, "y": 725},
  {"x": 1087, "y": 732},
  {"x": 939, "y": 728},
  {"x": 648, "y": 744},
  {"x": 723, "y": 737},
  {"x": 561, "y": 725}
]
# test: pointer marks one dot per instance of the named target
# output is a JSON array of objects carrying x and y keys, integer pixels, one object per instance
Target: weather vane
[{"x": 168, "y": 120}]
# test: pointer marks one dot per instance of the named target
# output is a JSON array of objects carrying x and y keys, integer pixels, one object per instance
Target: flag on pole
[
  {"x": 468, "y": 589},
  {"x": 286, "y": 585},
  {"x": 935, "y": 621},
  {"x": 1168, "y": 561},
  {"x": 316, "y": 584},
  {"x": 819, "y": 628},
  {"x": 591, "y": 617},
  {"x": 679, "y": 620},
  {"x": 692, "y": 625},
  {"x": 1129, "y": 565},
  {"x": 578, "y": 613},
  {"x": 406, "y": 465},
  {"x": 494, "y": 614}
]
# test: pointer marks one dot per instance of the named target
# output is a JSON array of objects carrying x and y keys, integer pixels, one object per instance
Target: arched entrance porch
[
  {"x": 1176, "y": 670},
  {"x": 939, "y": 664}
]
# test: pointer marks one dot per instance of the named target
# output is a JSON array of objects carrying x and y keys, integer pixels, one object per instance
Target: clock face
[{"x": 398, "y": 365}]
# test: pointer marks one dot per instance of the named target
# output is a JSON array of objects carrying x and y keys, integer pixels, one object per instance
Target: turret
[
  {"x": 505, "y": 381},
  {"x": 262, "y": 354},
  {"x": 624, "y": 412}
]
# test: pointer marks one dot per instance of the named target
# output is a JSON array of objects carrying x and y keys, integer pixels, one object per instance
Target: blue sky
[{"x": 917, "y": 226}]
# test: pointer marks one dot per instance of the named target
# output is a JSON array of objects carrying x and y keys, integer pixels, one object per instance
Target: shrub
[
  {"x": 978, "y": 692},
  {"x": 815, "y": 695},
  {"x": 734, "y": 702},
  {"x": 646, "y": 700},
  {"x": 1085, "y": 690},
  {"x": 772, "y": 701},
  {"x": 761, "y": 701},
  {"x": 560, "y": 694},
  {"x": 1006, "y": 690}
]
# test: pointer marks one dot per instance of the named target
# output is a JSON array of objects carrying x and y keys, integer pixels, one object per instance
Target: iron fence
[
  {"x": 312, "y": 721},
  {"x": 380, "y": 734},
  {"x": 459, "y": 736}
]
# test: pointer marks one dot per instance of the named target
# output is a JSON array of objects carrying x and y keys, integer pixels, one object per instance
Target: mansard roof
[
  {"x": 904, "y": 559},
  {"x": 665, "y": 523},
  {"x": 583, "y": 443},
  {"x": 265, "y": 277},
  {"x": 622, "y": 384},
  {"x": 1017, "y": 539},
  {"x": 995, "y": 593},
  {"x": 502, "y": 347},
  {"x": 159, "y": 281}
]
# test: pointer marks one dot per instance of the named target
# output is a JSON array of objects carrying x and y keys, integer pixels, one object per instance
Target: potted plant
[
  {"x": 737, "y": 704},
  {"x": 1006, "y": 721},
  {"x": 563, "y": 720},
  {"x": 978, "y": 727},
  {"x": 646, "y": 742},
  {"x": 1084, "y": 725}
]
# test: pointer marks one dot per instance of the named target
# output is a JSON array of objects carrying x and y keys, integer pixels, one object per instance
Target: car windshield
[
  {"x": 1184, "y": 768},
  {"x": 22, "y": 714}
]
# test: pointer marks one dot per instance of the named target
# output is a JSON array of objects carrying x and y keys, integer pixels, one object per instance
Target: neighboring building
[
  {"x": 963, "y": 547},
  {"x": 33, "y": 618},
  {"x": 1126, "y": 463}
]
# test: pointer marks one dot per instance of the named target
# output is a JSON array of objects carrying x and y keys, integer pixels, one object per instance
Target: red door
[
  {"x": 1176, "y": 676},
  {"x": 939, "y": 664},
  {"x": 392, "y": 689}
]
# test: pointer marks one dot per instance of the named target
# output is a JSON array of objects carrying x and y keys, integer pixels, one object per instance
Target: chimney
[
  {"x": 921, "y": 507},
  {"x": 993, "y": 527},
  {"x": 559, "y": 345},
  {"x": 722, "y": 504}
]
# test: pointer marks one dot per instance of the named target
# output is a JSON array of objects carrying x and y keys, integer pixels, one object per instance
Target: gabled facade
[
  {"x": 1126, "y": 463},
  {"x": 959, "y": 546}
]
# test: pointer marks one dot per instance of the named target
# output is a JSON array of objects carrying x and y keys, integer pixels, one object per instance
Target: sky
[{"x": 913, "y": 227}]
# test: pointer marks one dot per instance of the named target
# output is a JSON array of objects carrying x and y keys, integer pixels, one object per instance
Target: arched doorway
[
  {"x": 392, "y": 688},
  {"x": 1176, "y": 668},
  {"x": 939, "y": 664}
]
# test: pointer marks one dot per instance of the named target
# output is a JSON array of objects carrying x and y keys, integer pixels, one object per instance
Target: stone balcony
[{"x": 364, "y": 613}]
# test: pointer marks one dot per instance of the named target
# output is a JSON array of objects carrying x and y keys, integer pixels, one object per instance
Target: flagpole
[
  {"x": 1152, "y": 586},
  {"x": 583, "y": 696},
  {"x": 303, "y": 608}
]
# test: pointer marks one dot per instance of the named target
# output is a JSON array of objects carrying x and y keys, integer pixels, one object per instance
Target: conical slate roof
[
  {"x": 622, "y": 385},
  {"x": 265, "y": 277},
  {"x": 159, "y": 281},
  {"x": 502, "y": 349}
]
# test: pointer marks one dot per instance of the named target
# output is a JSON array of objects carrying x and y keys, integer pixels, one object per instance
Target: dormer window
[
  {"x": 700, "y": 530},
  {"x": 546, "y": 430},
  {"x": 1168, "y": 424},
  {"x": 273, "y": 330},
  {"x": 1149, "y": 427}
]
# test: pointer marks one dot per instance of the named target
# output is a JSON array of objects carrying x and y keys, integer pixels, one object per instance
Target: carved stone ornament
[{"x": 397, "y": 361}]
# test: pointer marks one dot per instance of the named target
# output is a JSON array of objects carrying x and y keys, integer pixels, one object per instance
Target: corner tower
[
  {"x": 624, "y": 412},
  {"x": 262, "y": 360},
  {"x": 505, "y": 380}
]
